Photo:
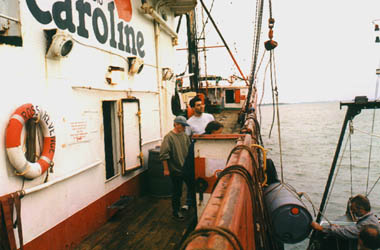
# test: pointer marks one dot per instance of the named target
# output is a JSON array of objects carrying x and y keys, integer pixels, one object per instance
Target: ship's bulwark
[{"x": 235, "y": 215}]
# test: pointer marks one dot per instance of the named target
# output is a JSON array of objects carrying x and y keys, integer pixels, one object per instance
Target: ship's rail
[{"x": 235, "y": 216}]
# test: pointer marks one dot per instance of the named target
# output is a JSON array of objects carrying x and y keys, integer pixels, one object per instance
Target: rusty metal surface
[
  {"x": 181, "y": 6},
  {"x": 231, "y": 206},
  {"x": 217, "y": 136},
  {"x": 9, "y": 20}
]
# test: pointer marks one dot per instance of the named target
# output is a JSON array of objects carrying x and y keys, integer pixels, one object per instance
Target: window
[
  {"x": 111, "y": 138},
  {"x": 10, "y": 27},
  {"x": 230, "y": 96}
]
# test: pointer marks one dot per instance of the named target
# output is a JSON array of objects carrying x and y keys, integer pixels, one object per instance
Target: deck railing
[{"x": 235, "y": 216}]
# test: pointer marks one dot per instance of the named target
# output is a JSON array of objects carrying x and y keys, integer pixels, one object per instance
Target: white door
[{"x": 132, "y": 136}]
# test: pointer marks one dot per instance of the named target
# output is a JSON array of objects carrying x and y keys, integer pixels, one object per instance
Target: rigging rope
[
  {"x": 270, "y": 9},
  {"x": 373, "y": 186},
  {"x": 263, "y": 90},
  {"x": 367, "y": 133},
  {"x": 278, "y": 114},
  {"x": 202, "y": 34},
  {"x": 373, "y": 127},
  {"x": 254, "y": 84},
  {"x": 256, "y": 46},
  {"x": 204, "y": 51},
  {"x": 349, "y": 136},
  {"x": 273, "y": 94},
  {"x": 372, "y": 135},
  {"x": 336, "y": 174},
  {"x": 254, "y": 184},
  {"x": 221, "y": 231}
]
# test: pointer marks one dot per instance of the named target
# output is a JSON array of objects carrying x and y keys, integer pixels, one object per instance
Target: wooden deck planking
[
  {"x": 146, "y": 224},
  {"x": 229, "y": 120}
]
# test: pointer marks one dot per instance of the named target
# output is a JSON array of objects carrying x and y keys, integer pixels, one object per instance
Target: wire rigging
[
  {"x": 202, "y": 34},
  {"x": 256, "y": 46},
  {"x": 349, "y": 136},
  {"x": 273, "y": 94},
  {"x": 372, "y": 129},
  {"x": 336, "y": 173},
  {"x": 278, "y": 114}
]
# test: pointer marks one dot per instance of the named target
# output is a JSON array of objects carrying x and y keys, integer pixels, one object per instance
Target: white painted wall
[{"x": 27, "y": 76}]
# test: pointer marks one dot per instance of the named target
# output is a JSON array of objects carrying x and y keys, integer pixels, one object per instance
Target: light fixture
[
  {"x": 167, "y": 74},
  {"x": 111, "y": 80},
  {"x": 60, "y": 43},
  {"x": 135, "y": 64}
]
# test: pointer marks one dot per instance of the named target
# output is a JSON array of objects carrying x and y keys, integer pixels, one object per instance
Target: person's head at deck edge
[
  {"x": 360, "y": 205},
  {"x": 214, "y": 127},
  {"x": 196, "y": 104}
]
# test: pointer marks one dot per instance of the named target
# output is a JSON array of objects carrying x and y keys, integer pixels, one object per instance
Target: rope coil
[
  {"x": 221, "y": 231},
  {"x": 256, "y": 199}
]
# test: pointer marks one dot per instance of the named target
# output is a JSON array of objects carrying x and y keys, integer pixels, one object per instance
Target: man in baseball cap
[{"x": 173, "y": 152}]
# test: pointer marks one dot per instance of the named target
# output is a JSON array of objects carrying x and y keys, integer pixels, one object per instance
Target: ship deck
[
  {"x": 146, "y": 224},
  {"x": 229, "y": 120}
]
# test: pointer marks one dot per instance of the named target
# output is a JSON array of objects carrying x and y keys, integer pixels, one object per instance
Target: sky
[{"x": 326, "y": 51}]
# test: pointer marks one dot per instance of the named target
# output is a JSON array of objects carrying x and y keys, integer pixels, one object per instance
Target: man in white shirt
[{"x": 198, "y": 122}]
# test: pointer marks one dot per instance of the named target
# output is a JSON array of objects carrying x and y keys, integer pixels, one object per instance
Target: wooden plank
[{"x": 147, "y": 224}]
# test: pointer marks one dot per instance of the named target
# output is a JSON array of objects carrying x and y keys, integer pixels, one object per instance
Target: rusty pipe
[{"x": 229, "y": 206}]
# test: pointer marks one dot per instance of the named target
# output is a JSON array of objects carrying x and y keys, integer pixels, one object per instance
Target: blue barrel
[
  {"x": 290, "y": 218},
  {"x": 159, "y": 185}
]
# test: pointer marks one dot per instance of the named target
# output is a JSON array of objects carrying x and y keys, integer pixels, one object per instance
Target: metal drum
[
  {"x": 159, "y": 184},
  {"x": 290, "y": 218}
]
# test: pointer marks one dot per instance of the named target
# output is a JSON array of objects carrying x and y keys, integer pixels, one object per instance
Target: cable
[
  {"x": 349, "y": 137},
  {"x": 221, "y": 231},
  {"x": 373, "y": 126},
  {"x": 336, "y": 174},
  {"x": 278, "y": 112},
  {"x": 273, "y": 94},
  {"x": 205, "y": 23}
]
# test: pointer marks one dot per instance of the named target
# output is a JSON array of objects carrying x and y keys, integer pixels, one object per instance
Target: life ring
[{"x": 29, "y": 170}]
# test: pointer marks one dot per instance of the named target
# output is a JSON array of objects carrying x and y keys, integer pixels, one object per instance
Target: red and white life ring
[{"x": 13, "y": 144}]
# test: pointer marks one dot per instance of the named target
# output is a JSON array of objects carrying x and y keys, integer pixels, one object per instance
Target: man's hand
[
  {"x": 316, "y": 226},
  {"x": 166, "y": 172},
  {"x": 166, "y": 168}
]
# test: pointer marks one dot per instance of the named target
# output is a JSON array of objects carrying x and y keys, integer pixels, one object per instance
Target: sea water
[{"x": 309, "y": 136}]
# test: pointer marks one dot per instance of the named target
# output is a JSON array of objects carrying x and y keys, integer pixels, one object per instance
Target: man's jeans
[{"x": 177, "y": 182}]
